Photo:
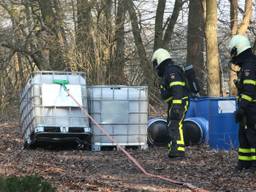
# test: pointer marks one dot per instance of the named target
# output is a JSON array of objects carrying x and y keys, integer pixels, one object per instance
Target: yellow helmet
[
  {"x": 159, "y": 56},
  {"x": 238, "y": 44}
]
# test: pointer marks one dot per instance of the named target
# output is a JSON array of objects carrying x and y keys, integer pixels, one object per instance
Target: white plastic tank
[
  {"x": 122, "y": 111},
  {"x": 48, "y": 113}
]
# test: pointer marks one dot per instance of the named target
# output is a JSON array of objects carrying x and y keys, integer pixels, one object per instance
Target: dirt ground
[{"x": 110, "y": 171}]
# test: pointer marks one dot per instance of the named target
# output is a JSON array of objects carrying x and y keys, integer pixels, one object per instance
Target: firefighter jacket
[
  {"x": 246, "y": 82},
  {"x": 173, "y": 86}
]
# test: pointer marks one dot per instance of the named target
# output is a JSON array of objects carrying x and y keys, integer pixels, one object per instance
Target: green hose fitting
[{"x": 61, "y": 83}]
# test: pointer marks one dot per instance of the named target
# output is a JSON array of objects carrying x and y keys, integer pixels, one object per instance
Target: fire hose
[{"x": 129, "y": 156}]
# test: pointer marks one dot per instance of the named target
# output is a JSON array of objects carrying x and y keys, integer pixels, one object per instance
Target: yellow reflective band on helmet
[
  {"x": 249, "y": 82},
  {"x": 177, "y": 101},
  {"x": 246, "y": 97},
  {"x": 243, "y": 150},
  {"x": 181, "y": 149},
  {"x": 244, "y": 158},
  {"x": 177, "y": 83}
]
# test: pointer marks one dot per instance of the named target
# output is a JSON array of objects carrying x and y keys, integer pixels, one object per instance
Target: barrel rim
[
  {"x": 204, "y": 137},
  {"x": 155, "y": 120}
]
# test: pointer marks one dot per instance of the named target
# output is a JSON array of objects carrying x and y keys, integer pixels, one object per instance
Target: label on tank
[
  {"x": 226, "y": 106},
  {"x": 55, "y": 95}
]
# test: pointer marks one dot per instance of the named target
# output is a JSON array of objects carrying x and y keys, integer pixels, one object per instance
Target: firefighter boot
[
  {"x": 253, "y": 167},
  {"x": 242, "y": 166},
  {"x": 173, "y": 152}
]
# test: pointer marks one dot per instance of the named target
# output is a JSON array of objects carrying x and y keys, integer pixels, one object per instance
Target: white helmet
[
  {"x": 159, "y": 56},
  {"x": 238, "y": 44}
]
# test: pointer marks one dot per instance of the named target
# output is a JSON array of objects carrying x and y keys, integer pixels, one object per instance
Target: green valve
[{"x": 61, "y": 82}]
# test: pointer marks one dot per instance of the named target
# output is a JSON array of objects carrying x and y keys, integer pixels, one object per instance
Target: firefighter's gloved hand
[
  {"x": 176, "y": 112},
  {"x": 164, "y": 92},
  {"x": 240, "y": 115}
]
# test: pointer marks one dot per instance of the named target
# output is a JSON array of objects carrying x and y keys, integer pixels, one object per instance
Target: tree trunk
[
  {"x": 55, "y": 40},
  {"x": 233, "y": 16},
  {"x": 116, "y": 69},
  {"x": 144, "y": 62},
  {"x": 234, "y": 28},
  {"x": 212, "y": 49},
  {"x": 84, "y": 39},
  {"x": 238, "y": 30},
  {"x": 247, "y": 17},
  {"x": 172, "y": 21},
  {"x": 158, "y": 40},
  {"x": 195, "y": 42}
]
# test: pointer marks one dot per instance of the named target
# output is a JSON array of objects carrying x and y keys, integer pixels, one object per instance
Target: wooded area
[{"x": 113, "y": 40}]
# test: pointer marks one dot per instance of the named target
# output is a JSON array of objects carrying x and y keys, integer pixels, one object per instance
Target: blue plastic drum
[{"x": 223, "y": 130}]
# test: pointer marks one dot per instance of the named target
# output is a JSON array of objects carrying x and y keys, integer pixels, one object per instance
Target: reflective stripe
[
  {"x": 244, "y": 150},
  {"x": 175, "y": 83},
  {"x": 244, "y": 158},
  {"x": 246, "y": 97},
  {"x": 249, "y": 82},
  {"x": 181, "y": 141},
  {"x": 177, "y": 101},
  {"x": 162, "y": 87},
  {"x": 181, "y": 149}
]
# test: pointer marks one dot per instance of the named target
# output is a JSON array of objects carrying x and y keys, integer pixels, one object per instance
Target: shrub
[{"x": 25, "y": 184}]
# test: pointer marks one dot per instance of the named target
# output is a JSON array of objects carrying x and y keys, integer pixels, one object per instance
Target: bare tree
[
  {"x": 238, "y": 29},
  {"x": 171, "y": 23},
  {"x": 144, "y": 62},
  {"x": 212, "y": 48},
  {"x": 195, "y": 42},
  {"x": 247, "y": 17},
  {"x": 52, "y": 25},
  {"x": 116, "y": 67},
  {"x": 163, "y": 37},
  {"x": 158, "y": 40}
]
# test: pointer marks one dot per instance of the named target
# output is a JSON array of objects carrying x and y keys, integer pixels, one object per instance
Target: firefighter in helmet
[
  {"x": 245, "y": 115},
  {"x": 174, "y": 92}
]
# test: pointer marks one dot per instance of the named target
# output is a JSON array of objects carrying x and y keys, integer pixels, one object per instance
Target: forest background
[{"x": 112, "y": 41}]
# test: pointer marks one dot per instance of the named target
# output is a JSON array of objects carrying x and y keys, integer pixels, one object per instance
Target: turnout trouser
[
  {"x": 247, "y": 139},
  {"x": 176, "y": 146}
]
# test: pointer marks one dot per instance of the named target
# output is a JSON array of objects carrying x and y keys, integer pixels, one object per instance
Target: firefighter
[
  {"x": 174, "y": 92},
  {"x": 245, "y": 115}
]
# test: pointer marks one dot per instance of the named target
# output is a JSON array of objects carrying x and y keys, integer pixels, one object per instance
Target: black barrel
[
  {"x": 195, "y": 131},
  {"x": 157, "y": 132}
]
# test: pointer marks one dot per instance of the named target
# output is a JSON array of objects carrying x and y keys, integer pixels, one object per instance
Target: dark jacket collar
[{"x": 242, "y": 57}]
